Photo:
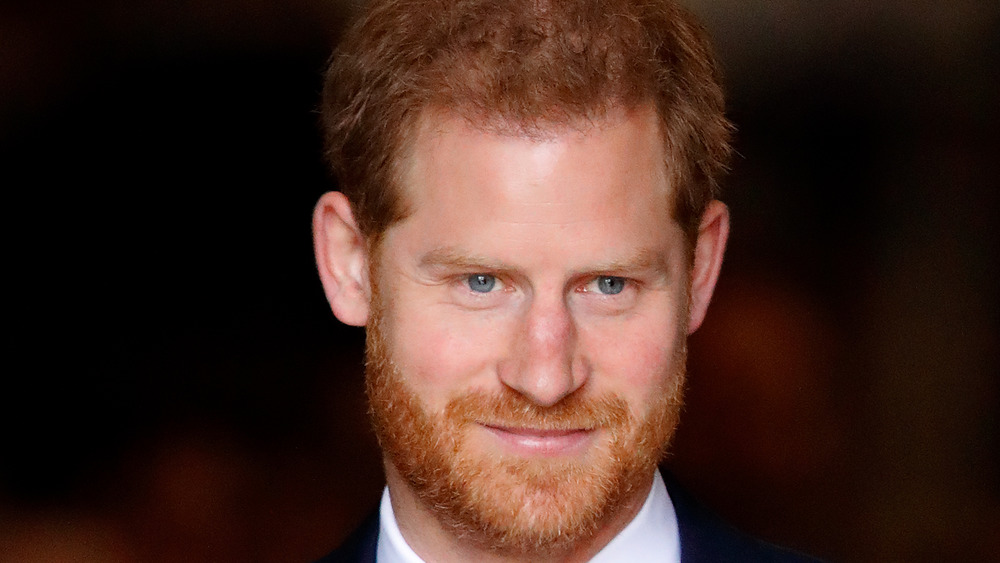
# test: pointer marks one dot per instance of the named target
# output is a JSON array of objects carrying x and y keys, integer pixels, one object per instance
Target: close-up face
[{"x": 526, "y": 339}]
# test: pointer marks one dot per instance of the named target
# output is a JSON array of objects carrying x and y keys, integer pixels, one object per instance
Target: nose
[{"x": 543, "y": 365}]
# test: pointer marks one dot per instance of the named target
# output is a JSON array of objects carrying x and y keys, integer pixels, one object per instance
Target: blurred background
[{"x": 178, "y": 390}]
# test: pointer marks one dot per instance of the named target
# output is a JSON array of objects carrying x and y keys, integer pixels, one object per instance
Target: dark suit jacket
[{"x": 704, "y": 538}]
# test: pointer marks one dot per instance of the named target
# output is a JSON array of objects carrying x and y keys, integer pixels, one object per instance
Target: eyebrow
[
  {"x": 645, "y": 260},
  {"x": 451, "y": 257}
]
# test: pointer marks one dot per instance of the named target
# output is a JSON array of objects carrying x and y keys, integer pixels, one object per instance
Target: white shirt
[{"x": 651, "y": 536}]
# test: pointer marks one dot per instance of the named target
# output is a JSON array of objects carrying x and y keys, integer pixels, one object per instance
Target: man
[{"x": 527, "y": 228}]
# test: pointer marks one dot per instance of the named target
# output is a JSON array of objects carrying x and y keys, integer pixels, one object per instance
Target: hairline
[{"x": 609, "y": 112}]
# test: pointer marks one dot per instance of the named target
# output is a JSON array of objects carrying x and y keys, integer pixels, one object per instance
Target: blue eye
[
  {"x": 481, "y": 283},
  {"x": 610, "y": 285}
]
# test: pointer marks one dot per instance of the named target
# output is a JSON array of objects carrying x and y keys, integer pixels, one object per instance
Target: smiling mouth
[
  {"x": 541, "y": 441},
  {"x": 537, "y": 432}
]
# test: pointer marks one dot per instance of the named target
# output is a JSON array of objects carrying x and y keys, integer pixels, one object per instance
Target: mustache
[{"x": 512, "y": 410}]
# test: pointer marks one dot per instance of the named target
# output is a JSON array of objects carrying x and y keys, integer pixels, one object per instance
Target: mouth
[{"x": 541, "y": 441}]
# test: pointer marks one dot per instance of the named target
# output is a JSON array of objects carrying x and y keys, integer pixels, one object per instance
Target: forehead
[
  {"x": 587, "y": 194},
  {"x": 449, "y": 152}
]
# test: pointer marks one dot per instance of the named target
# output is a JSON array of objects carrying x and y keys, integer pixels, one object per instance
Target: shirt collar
[
  {"x": 651, "y": 536},
  {"x": 392, "y": 548}
]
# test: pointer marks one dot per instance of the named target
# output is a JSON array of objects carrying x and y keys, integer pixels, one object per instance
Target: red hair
[{"x": 525, "y": 67}]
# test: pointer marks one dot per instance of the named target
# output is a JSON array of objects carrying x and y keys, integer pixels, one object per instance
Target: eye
[
  {"x": 481, "y": 283},
  {"x": 610, "y": 285}
]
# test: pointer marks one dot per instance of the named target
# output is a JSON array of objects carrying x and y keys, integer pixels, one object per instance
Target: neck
[{"x": 433, "y": 541}]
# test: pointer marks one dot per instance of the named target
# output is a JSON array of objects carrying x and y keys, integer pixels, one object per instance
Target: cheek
[
  {"x": 640, "y": 363},
  {"x": 444, "y": 352}
]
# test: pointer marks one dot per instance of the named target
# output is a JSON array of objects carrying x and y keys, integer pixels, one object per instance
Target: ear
[
  {"x": 709, "y": 248},
  {"x": 342, "y": 259}
]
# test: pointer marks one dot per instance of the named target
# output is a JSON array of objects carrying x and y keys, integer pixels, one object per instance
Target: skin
[{"x": 551, "y": 228}]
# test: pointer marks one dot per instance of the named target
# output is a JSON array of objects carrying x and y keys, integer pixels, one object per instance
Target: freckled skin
[
  {"x": 546, "y": 221},
  {"x": 527, "y": 325},
  {"x": 551, "y": 211}
]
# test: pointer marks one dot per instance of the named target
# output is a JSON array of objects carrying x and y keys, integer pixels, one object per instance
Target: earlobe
[
  {"x": 713, "y": 232},
  {"x": 342, "y": 259}
]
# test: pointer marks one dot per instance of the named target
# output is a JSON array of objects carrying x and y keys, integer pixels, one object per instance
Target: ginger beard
[{"x": 509, "y": 504}]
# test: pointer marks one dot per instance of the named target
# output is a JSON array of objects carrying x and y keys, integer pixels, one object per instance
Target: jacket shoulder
[
  {"x": 360, "y": 546},
  {"x": 707, "y": 538}
]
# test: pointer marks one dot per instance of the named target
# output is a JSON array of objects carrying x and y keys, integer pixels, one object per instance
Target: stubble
[{"x": 507, "y": 504}]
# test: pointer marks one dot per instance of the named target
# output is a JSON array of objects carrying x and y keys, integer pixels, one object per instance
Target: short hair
[{"x": 526, "y": 66}]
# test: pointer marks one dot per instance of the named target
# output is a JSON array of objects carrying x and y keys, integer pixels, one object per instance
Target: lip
[{"x": 539, "y": 441}]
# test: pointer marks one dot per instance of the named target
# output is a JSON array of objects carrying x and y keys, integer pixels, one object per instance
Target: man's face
[{"x": 526, "y": 341}]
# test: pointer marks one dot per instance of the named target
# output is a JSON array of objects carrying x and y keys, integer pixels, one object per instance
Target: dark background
[{"x": 177, "y": 389}]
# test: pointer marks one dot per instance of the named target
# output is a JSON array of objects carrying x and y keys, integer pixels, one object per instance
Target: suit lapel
[{"x": 359, "y": 547}]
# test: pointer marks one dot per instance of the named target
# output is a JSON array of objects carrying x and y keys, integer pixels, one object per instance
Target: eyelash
[
  {"x": 596, "y": 281},
  {"x": 494, "y": 281},
  {"x": 497, "y": 284},
  {"x": 592, "y": 298}
]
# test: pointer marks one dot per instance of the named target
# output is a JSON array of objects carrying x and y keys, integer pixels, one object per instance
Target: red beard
[{"x": 509, "y": 504}]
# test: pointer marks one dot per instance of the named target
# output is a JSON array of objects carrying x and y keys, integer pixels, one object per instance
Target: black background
[{"x": 178, "y": 390}]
